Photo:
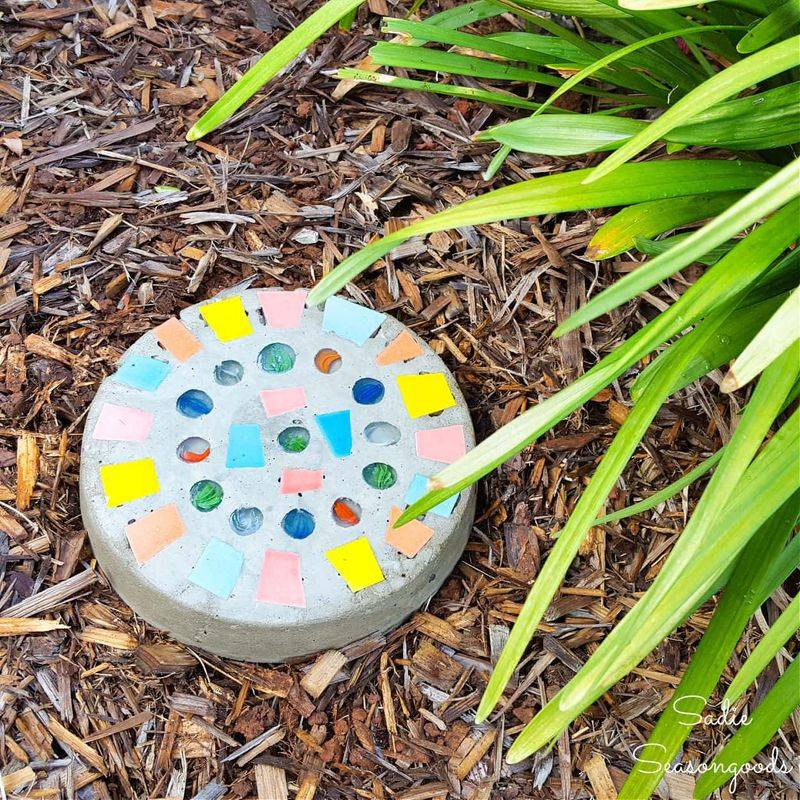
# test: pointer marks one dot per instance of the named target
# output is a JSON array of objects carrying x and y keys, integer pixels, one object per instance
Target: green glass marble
[
  {"x": 205, "y": 495},
  {"x": 379, "y": 475},
  {"x": 294, "y": 439},
  {"x": 276, "y": 357}
]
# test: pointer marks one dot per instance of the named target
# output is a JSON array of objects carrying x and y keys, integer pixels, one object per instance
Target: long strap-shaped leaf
[
  {"x": 775, "y": 192},
  {"x": 636, "y": 183},
  {"x": 582, "y": 518},
  {"x": 775, "y": 638},
  {"x": 777, "y": 334},
  {"x": 619, "y": 233},
  {"x": 771, "y": 713},
  {"x": 736, "y": 512},
  {"x": 739, "y": 601},
  {"x": 739, "y": 76},
  {"x": 270, "y": 64}
]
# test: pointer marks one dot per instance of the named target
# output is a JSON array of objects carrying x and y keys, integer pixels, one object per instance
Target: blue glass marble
[
  {"x": 194, "y": 403},
  {"x": 298, "y": 524},
  {"x": 247, "y": 520},
  {"x": 335, "y": 428},
  {"x": 142, "y": 372},
  {"x": 276, "y": 357},
  {"x": 228, "y": 372},
  {"x": 368, "y": 391}
]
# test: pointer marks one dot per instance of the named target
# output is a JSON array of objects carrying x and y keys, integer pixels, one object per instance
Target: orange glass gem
[{"x": 327, "y": 360}]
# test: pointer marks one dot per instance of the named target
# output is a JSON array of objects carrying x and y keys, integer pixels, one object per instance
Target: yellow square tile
[
  {"x": 356, "y": 563},
  {"x": 227, "y": 318},
  {"x": 129, "y": 480},
  {"x": 425, "y": 394}
]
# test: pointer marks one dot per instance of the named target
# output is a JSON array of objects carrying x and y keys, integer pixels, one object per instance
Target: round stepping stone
[{"x": 241, "y": 471}]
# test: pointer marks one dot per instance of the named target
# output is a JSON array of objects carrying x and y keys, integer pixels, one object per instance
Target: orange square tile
[
  {"x": 177, "y": 339},
  {"x": 149, "y": 535},
  {"x": 410, "y": 538}
]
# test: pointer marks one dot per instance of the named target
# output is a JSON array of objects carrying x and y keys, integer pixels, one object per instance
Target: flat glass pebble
[
  {"x": 276, "y": 357},
  {"x": 382, "y": 433},
  {"x": 245, "y": 521},
  {"x": 379, "y": 475},
  {"x": 294, "y": 439},
  {"x": 205, "y": 495},
  {"x": 194, "y": 450},
  {"x": 346, "y": 512},
  {"x": 228, "y": 372},
  {"x": 194, "y": 403},
  {"x": 368, "y": 391},
  {"x": 298, "y": 523},
  {"x": 327, "y": 360}
]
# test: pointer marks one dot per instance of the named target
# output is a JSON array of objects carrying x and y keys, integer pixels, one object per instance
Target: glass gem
[
  {"x": 379, "y": 475},
  {"x": 298, "y": 523},
  {"x": 194, "y": 403},
  {"x": 368, "y": 391},
  {"x": 276, "y": 357},
  {"x": 205, "y": 495}
]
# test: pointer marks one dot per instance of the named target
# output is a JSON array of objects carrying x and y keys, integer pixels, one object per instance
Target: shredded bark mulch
[{"x": 110, "y": 223}]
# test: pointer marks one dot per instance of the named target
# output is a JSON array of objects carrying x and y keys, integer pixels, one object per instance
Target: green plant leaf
[
  {"x": 739, "y": 329},
  {"x": 773, "y": 640},
  {"x": 739, "y": 76},
  {"x": 782, "y": 19},
  {"x": 779, "y": 332},
  {"x": 776, "y": 192},
  {"x": 771, "y": 713},
  {"x": 620, "y": 232},
  {"x": 740, "y": 599},
  {"x": 390, "y": 54},
  {"x": 557, "y": 193},
  {"x": 563, "y": 134},
  {"x": 651, "y": 501},
  {"x": 270, "y": 64},
  {"x": 496, "y": 96},
  {"x": 736, "y": 502},
  {"x": 582, "y": 518}
]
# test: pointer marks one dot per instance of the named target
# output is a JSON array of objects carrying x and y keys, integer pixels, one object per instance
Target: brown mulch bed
[{"x": 102, "y": 238}]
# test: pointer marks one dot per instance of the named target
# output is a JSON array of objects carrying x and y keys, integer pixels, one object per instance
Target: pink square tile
[
  {"x": 283, "y": 309},
  {"x": 122, "y": 424},
  {"x": 280, "y": 582},
  {"x": 300, "y": 480},
  {"x": 279, "y": 401},
  {"x": 441, "y": 444}
]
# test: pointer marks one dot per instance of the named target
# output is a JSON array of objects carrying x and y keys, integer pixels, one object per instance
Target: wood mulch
[{"x": 109, "y": 223}]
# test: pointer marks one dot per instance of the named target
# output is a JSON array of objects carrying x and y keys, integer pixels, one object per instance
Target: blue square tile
[
  {"x": 142, "y": 372},
  {"x": 218, "y": 568},
  {"x": 244, "y": 447},
  {"x": 350, "y": 321},
  {"x": 418, "y": 488}
]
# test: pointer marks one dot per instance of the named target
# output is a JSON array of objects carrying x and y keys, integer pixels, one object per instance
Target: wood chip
[
  {"x": 271, "y": 783},
  {"x": 324, "y": 670}
]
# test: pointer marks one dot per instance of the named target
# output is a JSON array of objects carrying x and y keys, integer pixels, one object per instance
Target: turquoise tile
[
  {"x": 418, "y": 488},
  {"x": 350, "y": 321},
  {"x": 335, "y": 428},
  {"x": 244, "y": 447},
  {"x": 142, "y": 372},
  {"x": 218, "y": 568}
]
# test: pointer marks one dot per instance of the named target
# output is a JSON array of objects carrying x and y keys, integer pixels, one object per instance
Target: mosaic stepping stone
[{"x": 242, "y": 470}]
